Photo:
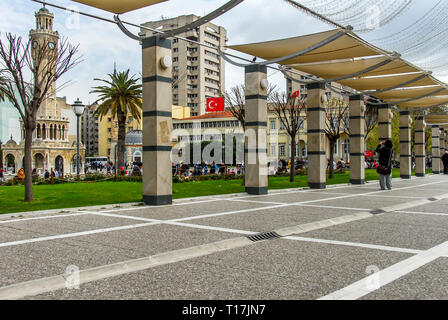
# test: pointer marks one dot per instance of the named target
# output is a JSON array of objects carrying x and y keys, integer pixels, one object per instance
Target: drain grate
[
  {"x": 377, "y": 211},
  {"x": 264, "y": 236}
]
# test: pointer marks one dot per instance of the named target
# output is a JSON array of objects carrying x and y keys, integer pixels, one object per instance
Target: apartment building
[
  {"x": 198, "y": 71},
  {"x": 89, "y": 131}
]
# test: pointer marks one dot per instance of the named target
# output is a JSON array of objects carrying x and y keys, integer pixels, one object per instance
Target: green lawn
[{"x": 71, "y": 195}]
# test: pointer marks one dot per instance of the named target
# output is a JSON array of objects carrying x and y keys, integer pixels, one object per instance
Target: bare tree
[
  {"x": 336, "y": 122},
  {"x": 289, "y": 109},
  {"x": 371, "y": 118},
  {"x": 44, "y": 64},
  {"x": 235, "y": 101}
]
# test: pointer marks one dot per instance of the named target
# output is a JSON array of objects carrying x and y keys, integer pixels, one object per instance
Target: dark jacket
[
  {"x": 445, "y": 159},
  {"x": 385, "y": 156}
]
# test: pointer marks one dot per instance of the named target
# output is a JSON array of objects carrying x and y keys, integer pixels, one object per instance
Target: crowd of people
[{"x": 201, "y": 169}]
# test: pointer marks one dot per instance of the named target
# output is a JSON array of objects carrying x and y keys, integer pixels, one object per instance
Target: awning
[
  {"x": 424, "y": 102},
  {"x": 437, "y": 119},
  {"x": 342, "y": 48},
  {"x": 349, "y": 60},
  {"x": 335, "y": 69},
  {"x": 379, "y": 83},
  {"x": 412, "y": 93},
  {"x": 119, "y": 6}
]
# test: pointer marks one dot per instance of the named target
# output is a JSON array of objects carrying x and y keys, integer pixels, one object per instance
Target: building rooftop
[{"x": 211, "y": 115}]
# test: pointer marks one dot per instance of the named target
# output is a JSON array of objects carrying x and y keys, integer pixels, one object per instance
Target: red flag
[
  {"x": 295, "y": 94},
  {"x": 215, "y": 104}
]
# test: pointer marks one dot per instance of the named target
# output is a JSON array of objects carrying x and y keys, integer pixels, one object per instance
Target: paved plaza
[{"x": 345, "y": 242}]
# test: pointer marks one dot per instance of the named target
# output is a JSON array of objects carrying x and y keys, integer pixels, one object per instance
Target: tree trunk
[
  {"x": 121, "y": 140},
  {"x": 292, "y": 171},
  {"x": 28, "y": 165},
  {"x": 331, "y": 172}
]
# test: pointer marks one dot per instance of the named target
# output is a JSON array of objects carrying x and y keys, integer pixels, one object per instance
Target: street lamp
[{"x": 78, "y": 108}]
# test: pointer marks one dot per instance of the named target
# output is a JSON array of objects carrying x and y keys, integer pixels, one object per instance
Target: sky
[{"x": 102, "y": 44}]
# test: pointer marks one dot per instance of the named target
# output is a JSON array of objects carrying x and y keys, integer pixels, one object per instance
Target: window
[
  {"x": 211, "y": 54},
  {"x": 273, "y": 149},
  {"x": 272, "y": 124},
  {"x": 281, "y": 150},
  {"x": 211, "y": 36},
  {"x": 336, "y": 145},
  {"x": 282, "y": 126}
]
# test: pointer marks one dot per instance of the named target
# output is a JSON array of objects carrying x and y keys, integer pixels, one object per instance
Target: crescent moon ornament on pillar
[
  {"x": 166, "y": 62},
  {"x": 324, "y": 98},
  {"x": 264, "y": 84}
]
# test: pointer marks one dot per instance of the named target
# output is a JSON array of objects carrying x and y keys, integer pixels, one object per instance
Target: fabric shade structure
[
  {"x": 379, "y": 83},
  {"x": 437, "y": 119},
  {"x": 119, "y": 6},
  {"x": 412, "y": 93},
  {"x": 341, "y": 56}
]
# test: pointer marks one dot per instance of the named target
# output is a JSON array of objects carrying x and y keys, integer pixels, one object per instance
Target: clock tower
[{"x": 44, "y": 35}]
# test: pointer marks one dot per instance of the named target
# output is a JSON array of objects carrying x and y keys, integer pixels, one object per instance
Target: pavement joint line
[
  {"x": 424, "y": 213},
  {"x": 45, "y": 217},
  {"x": 332, "y": 207},
  {"x": 72, "y": 235},
  {"x": 354, "y": 244},
  {"x": 364, "y": 286}
]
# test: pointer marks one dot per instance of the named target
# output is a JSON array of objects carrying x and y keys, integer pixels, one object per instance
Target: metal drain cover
[{"x": 264, "y": 236}]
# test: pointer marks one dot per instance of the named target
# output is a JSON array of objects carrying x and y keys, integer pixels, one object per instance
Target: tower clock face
[
  {"x": 34, "y": 44},
  {"x": 51, "y": 45}
]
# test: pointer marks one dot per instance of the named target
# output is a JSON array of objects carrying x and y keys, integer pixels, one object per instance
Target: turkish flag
[{"x": 215, "y": 104}]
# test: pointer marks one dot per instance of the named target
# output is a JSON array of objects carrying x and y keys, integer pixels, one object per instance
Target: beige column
[
  {"x": 157, "y": 121},
  {"x": 357, "y": 137},
  {"x": 256, "y": 177},
  {"x": 405, "y": 145},
  {"x": 436, "y": 149},
  {"x": 317, "y": 162},
  {"x": 385, "y": 116},
  {"x": 419, "y": 143},
  {"x": 442, "y": 141}
]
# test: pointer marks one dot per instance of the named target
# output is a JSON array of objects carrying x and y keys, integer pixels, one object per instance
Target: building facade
[
  {"x": 198, "y": 71},
  {"x": 54, "y": 140},
  {"x": 89, "y": 131}
]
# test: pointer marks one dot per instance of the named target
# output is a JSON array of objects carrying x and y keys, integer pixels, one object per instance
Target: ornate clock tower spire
[{"x": 44, "y": 35}]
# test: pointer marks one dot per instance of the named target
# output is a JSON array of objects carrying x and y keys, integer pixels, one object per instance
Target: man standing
[
  {"x": 385, "y": 151},
  {"x": 445, "y": 162}
]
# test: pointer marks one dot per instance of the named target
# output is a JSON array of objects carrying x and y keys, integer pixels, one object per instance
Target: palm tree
[{"x": 121, "y": 96}]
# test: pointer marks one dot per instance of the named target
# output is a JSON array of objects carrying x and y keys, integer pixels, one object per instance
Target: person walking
[
  {"x": 445, "y": 162},
  {"x": 385, "y": 151}
]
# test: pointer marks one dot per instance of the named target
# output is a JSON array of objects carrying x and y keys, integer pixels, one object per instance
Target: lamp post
[{"x": 78, "y": 109}]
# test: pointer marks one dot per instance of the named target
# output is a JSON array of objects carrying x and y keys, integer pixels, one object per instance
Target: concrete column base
[
  {"x": 257, "y": 190},
  {"x": 158, "y": 200}
]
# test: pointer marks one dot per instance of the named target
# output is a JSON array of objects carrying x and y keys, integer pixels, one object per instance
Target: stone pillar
[
  {"x": 385, "y": 116},
  {"x": 419, "y": 143},
  {"x": 436, "y": 149},
  {"x": 256, "y": 177},
  {"x": 405, "y": 145},
  {"x": 317, "y": 162},
  {"x": 442, "y": 141},
  {"x": 357, "y": 137},
  {"x": 157, "y": 120}
]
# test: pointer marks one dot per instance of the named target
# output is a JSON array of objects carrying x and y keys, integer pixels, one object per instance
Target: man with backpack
[{"x": 385, "y": 151}]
